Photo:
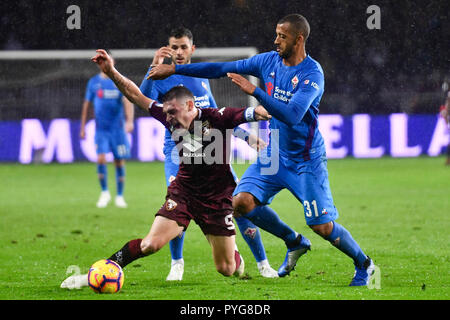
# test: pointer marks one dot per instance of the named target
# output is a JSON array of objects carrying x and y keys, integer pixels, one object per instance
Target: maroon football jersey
[{"x": 204, "y": 152}]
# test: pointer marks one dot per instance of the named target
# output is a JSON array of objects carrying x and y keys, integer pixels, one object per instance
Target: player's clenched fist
[
  {"x": 261, "y": 114},
  {"x": 104, "y": 61},
  {"x": 161, "y": 53}
]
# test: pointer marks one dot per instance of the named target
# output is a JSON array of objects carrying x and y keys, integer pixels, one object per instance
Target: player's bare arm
[
  {"x": 129, "y": 115},
  {"x": 84, "y": 115},
  {"x": 161, "y": 71},
  {"x": 125, "y": 85},
  {"x": 242, "y": 83}
]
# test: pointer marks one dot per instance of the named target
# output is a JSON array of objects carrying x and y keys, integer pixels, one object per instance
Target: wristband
[{"x": 250, "y": 114}]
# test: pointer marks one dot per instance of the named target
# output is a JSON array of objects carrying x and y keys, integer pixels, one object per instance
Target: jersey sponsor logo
[
  {"x": 324, "y": 211},
  {"x": 108, "y": 93},
  {"x": 191, "y": 143},
  {"x": 282, "y": 95},
  {"x": 315, "y": 85},
  {"x": 202, "y": 101},
  {"x": 170, "y": 205},
  {"x": 294, "y": 82},
  {"x": 269, "y": 88}
]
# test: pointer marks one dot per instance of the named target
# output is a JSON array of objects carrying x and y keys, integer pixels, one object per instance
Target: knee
[
  {"x": 226, "y": 269},
  {"x": 101, "y": 159},
  {"x": 119, "y": 163},
  {"x": 243, "y": 203},
  {"x": 323, "y": 230},
  {"x": 149, "y": 246}
]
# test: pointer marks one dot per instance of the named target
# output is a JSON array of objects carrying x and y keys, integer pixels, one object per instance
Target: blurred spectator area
[{"x": 399, "y": 68}]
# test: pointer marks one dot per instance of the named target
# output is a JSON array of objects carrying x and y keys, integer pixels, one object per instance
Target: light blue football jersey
[
  {"x": 107, "y": 101},
  {"x": 293, "y": 97}
]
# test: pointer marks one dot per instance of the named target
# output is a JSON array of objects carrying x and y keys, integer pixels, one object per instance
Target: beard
[{"x": 286, "y": 53}]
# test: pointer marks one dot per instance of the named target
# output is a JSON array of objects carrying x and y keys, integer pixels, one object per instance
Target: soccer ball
[{"x": 105, "y": 276}]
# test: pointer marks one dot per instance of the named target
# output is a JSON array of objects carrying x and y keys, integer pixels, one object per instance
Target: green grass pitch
[{"x": 397, "y": 209}]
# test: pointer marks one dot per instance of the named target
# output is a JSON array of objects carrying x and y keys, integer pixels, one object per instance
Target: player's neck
[
  {"x": 295, "y": 58},
  {"x": 103, "y": 75},
  {"x": 194, "y": 115}
]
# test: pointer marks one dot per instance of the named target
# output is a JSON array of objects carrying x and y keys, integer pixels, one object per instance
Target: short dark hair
[
  {"x": 180, "y": 32},
  {"x": 178, "y": 92},
  {"x": 298, "y": 23}
]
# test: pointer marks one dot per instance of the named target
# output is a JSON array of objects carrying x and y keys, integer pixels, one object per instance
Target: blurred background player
[
  {"x": 295, "y": 84},
  {"x": 207, "y": 186},
  {"x": 114, "y": 116},
  {"x": 445, "y": 113},
  {"x": 179, "y": 51}
]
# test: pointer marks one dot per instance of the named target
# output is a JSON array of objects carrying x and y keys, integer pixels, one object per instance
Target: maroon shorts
[{"x": 213, "y": 218}]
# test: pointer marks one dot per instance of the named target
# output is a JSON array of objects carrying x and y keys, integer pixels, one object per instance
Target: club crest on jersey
[
  {"x": 250, "y": 232},
  {"x": 170, "y": 205},
  {"x": 206, "y": 128},
  {"x": 294, "y": 82},
  {"x": 204, "y": 86}
]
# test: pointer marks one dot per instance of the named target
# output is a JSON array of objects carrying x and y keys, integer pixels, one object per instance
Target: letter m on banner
[{"x": 57, "y": 142}]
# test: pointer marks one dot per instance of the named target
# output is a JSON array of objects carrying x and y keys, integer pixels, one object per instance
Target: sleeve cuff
[
  {"x": 151, "y": 104},
  {"x": 249, "y": 114}
]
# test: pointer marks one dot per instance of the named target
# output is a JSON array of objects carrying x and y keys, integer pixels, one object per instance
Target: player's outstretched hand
[
  {"x": 242, "y": 83},
  {"x": 262, "y": 114},
  {"x": 161, "y": 71},
  {"x": 104, "y": 61}
]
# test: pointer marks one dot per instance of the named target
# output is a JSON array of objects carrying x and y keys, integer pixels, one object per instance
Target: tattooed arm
[{"x": 125, "y": 85}]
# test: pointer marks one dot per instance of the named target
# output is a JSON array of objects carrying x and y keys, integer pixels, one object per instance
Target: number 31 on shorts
[{"x": 308, "y": 211}]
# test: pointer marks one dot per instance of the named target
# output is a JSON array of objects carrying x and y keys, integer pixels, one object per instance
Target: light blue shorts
[
  {"x": 307, "y": 181},
  {"x": 112, "y": 141}
]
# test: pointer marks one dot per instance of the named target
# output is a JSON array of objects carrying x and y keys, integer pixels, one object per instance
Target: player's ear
[
  {"x": 193, "y": 48},
  {"x": 301, "y": 38},
  {"x": 190, "y": 104}
]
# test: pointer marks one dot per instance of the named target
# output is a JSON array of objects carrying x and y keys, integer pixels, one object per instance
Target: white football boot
[
  {"x": 76, "y": 281},
  {"x": 104, "y": 199},
  {"x": 176, "y": 271},
  {"x": 120, "y": 202},
  {"x": 266, "y": 270}
]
